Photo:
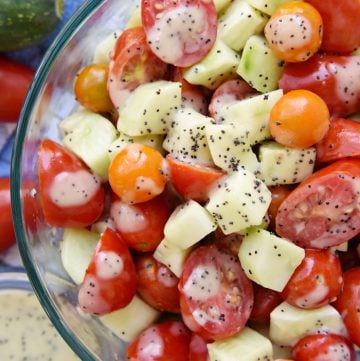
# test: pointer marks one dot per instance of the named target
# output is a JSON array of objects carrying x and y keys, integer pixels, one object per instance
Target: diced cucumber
[
  {"x": 343, "y": 247},
  {"x": 221, "y": 5},
  {"x": 76, "y": 248},
  {"x": 128, "y": 322},
  {"x": 105, "y": 47},
  {"x": 288, "y": 324},
  {"x": 239, "y": 201},
  {"x": 283, "y": 165},
  {"x": 269, "y": 260},
  {"x": 188, "y": 224},
  {"x": 238, "y": 23},
  {"x": 247, "y": 345},
  {"x": 259, "y": 66},
  {"x": 219, "y": 64},
  {"x": 135, "y": 18},
  {"x": 149, "y": 108},
  {"x": 101, "y": 225},
  {"x": 267, "y": 6},
  {"x": 186, "y": 139},
  {"x": 89, "y": 136}
]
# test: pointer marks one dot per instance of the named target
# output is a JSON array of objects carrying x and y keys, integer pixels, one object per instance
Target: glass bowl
[{"x": 50, "y": 99}]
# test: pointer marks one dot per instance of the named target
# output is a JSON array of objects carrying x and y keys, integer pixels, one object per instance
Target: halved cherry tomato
[
  {"x": 323, "y": 210},
  {"x": 323, "y": 348},
  {"x": 299, "y": 119},
  {"x": 316, "y": 281},
  {"x": 138, "y": 173},
  {"x": 278, "y": 195},
  {"x": 348, "y": 303},
  {"x": 132, "y": 63},
  {"x": 7, "y": 233},
  {"x": 193, "y": 181},
  {"x": 70, "y": 195},
  {"x": 141, "y": 225},
  {"x": 110, "y": 279},
  {"x": 167, "y": 341},
  {"x": 341, "y": 141},
  {"x": 179, "y": 32},
  {"x": 216, "y": 297},
  {"x": 15, "y": 79},
  {"x": 341, "y": 24},
  {"x": 294, "y": 31},
  {"x": 329, "y": 76},
  {"x": 157, "y": 285},
  {"x": 198, "y": 349}
]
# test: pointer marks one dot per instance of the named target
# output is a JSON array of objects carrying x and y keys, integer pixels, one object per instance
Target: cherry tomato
[
  {"x": 157, "y": 285},
  {"x": 226, "y": 93},
  {"x": 15, "y": 79},
  {"x": 348, "y": 303},
  {"x": 167, "y": 341},
  {"x": 198, "y": 349},
  {"x": 141, "y": 225},
  {"x": 265, "y": 300},
  {"x": 91, "y": 88},
  {"x": 341, "y": 141},
  {"x": 299, "y": 119},
  {"x": 341, "y": 24},
  {"x": 132, "y": 63},
  {"x": 316, "y": 281},
  {"x": 294, "y": 31},
  {"x": 230, "y": 241},
  {"x": 70, "y": 195},
  {"x": 350, "y": 258},
  {"x": 110, "y": 279},
  {"x": 323, "y": 348},
  {"x": 278, "y": 195},
  {"x": 216, "y": 297},
  {"x": 179, "y": 32},
  {"x": 193, "y": 181},
  {"x": 137, "y": 173},
  {"x": 323, "y": 210},
  {"x": 329, "y": 76},
  {"x": 7, "y": 234}
]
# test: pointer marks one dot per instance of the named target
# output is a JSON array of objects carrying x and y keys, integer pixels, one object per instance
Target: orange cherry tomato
[
  {"x": 138, "y": 173},
  {"x": 299, "y": 119},
  {"x": 294, "y": 31}
]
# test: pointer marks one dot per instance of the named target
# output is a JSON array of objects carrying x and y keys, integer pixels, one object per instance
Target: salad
[{"x": 209, "y": 183}]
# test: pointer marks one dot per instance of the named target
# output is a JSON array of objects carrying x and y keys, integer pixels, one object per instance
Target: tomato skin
[
  {"x": 7, "y": 237},
  {"x": 341, "y": 141},
  {"x": 157, "y": 285},
  {"x": 348, "y": 303},
  {"x": 213, "y": 287},
  {"x": 316, "y": 281},
  {"x": 320, "y": 212},
  {"x": 278, "y": 195},
  {"x": 55, "y": 161},
  {"x": 230, "y": 241},
  {"x": 169, "y": 342},
  {"x": 198, "y": 349},
  {"x": 15, "y": 79},
  {"x": 323, "y": 348},
  {"x": 110, "y": 279}
]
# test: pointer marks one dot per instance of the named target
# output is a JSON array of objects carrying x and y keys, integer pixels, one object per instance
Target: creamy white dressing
[
  {"x": 71, "y": 189},
  {"x": 164, "y": 277},
  {"x": 151, "y": 345},
  {"x": 26, "y": 333},
  {"x": 147, "y": 184},
  {"x": 128, "y": 218},
  {"x": 334, "y": 354},
  {"x": 108, "y": 265},
  {"x": 314, "y": 297}
]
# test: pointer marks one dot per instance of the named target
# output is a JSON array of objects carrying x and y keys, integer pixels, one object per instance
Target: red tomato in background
[
  {"x": 322, "y": 211},
  {"x": 278, "y": 195},
  {"x": 198, "y": 349},
  {"x": 7, "y": 233},
  {"x": 348, "y": 303},
  {"x": 341, "y": 141},
  {"x": 316, "y": 281},
  {"x": 15, "y": 79},
  {"x": 167, "y": 341},
  {"x": 70, "y": 195},
  {"x": 230, "y": 241},
  {"x": 156, "y": 284},
  {"x": 110, "y": 279},
  {"x": 323, "y": 348},
  {"x": 350, "y": 258},
  {"x": 216, "y": 297}
]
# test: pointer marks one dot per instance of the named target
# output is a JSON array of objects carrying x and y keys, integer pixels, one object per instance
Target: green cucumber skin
[{"x": 26, "y": 22}]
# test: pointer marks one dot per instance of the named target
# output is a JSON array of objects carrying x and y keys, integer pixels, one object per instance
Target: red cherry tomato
[
  {"x": 316, "y": 281},
  {"x": 157, "y": 285},
  {"x": 230, "y": 241},
  {"x": 167, "y": 341},
  {"x": 348, "y": 303},
  {"x": 198, "y": 349},
  {"x": 7, "y": 234},
  {"x": 323, "y": 348},
  {"x": 216, "y": 297},
  {"x": 110, "y": 279},
  {"x": 329, "y": 76},
  {"x": 278, "y": 195},
  {"x": 70, "y": 195},
  {"x": 179, "y": 32},
  {"x": 15, "y": 79},
  {"x": 323, "y": 210},
  {"x": 341, "y": 141}
]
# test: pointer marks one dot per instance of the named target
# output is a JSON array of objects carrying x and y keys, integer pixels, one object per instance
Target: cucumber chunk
[
  {"x": 267, "y": 6},
  {"x": 105, "y": 47}
]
